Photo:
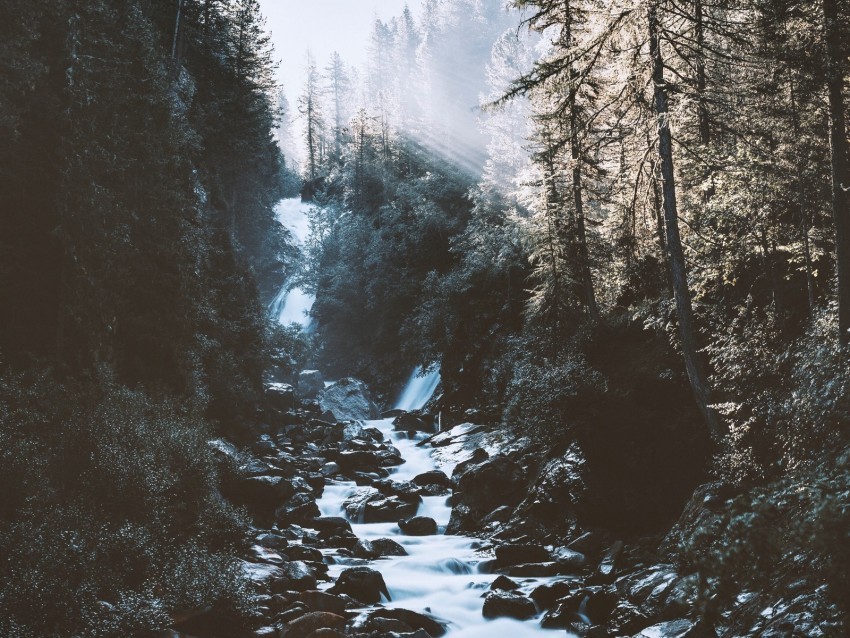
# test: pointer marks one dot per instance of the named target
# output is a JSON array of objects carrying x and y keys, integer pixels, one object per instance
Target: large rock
[
  {"x": 280, "y": 396},
  {"x": 377, "y": 548},
  {"x": 362, "y": 584},
  {"x": 418, "y": 526},
  {"x": 518, "y": 554},
  {"x": 349, "y": 400},
  {"x": 415, "y": 422},
  {"x": 310, "y": 383},
  {"x": 295, "y": 576},
  {"x": 310, "y": 623},
  {"x": 672, "y": 629},
  {"x": 413, "y": 619},
  {"x": 483, "y": 488},
  {"x": 501, "y": 603},
  {"x": 388, "y": 510}
]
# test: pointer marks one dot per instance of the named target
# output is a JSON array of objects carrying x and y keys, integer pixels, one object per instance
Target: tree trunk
[
  {"x": 676, "y": 256},
  {"x": 838, "y": 150},
  {"x": 575, "y": 149},
  {"x": 801, "y": 205},
  {"x": 702, "y": 108}
]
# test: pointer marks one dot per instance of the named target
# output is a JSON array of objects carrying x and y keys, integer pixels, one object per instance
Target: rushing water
[
  {"x": 440, "y": 574},
  {"x": 420, "y": 387},
  {"x": 292, "y": 305}
]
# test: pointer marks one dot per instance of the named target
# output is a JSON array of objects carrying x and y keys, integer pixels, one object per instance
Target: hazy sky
[{"x": 323, "y": 26}]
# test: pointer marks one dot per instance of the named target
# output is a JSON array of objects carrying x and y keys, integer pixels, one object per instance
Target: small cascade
[
  {"x": 292, "y": 305},
  {"x": 419, "y": 389}
]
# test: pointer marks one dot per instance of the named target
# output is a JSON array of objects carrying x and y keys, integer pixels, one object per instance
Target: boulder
[
  {"x": 295, "y": 576},
  {"x": 357, "y": 461},
  {"x": 349, "y": 400},
  {"x": 280, "y": 396},
  {"x": 673, "y": 629},
  {"x": 405, "y": 490},
  {"x": 330, "y": 524},
  {"x": 415, "y": 422},
  {"x": 387, "y": 510},
  {"x": 388, "y": 547},
  {"x": 504, "y": 583},
  {"x": 310, "y": 623},
  {"x": 361, "y": 583},
  {"x": 322, "y": 601},
  {"x": 434, "y": 477},
  {"x": 418, "y": 526},
  {"x": 507, "y": 555},
  {"x": 309, "y": 384},
  {"x": 413, "y": 620},
  {"x": 484, "y": 487},
  {"x": 500, "y": 604},
  {"x": 301, "y": 508}
]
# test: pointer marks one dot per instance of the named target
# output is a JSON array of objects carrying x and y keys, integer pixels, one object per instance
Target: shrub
[{"x": 111, "y": 518}]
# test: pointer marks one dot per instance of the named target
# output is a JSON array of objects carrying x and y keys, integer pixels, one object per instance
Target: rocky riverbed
[{"x": 371, "y": 527}]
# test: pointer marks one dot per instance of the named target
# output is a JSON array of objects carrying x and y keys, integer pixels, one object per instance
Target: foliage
[{"x": 112, "y": 518}]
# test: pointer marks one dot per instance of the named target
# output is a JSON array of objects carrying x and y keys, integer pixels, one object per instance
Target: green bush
[{"x": 111, "y": 518}]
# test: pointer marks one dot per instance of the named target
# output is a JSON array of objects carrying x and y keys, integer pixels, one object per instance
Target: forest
[{"x": 615, "y": 235}]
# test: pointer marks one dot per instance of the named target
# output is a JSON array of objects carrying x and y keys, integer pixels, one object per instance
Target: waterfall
[
  {"x": 292, "y": 305},
  {"x": 419, "y": 389}
]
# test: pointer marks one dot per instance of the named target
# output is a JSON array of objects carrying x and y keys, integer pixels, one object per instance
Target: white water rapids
[{"x": 440, "y": 575}]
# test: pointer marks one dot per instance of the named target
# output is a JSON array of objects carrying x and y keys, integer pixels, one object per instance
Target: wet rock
[
  {"x": 434, "y": 477},
  {"x": 361, "y": 583},
  {"x": 385, "y": 626},
  {"x": 377, "y": 548},
  {"x": 672, "y": 629},
  {"x": 304, "y": 553},
  {"x": 500, "y": 604},
  {"x": 295, "y": 576},
  {"x": 352, "y": 431},
  {"x": 702, "y": 513},
  {"x": 627, "y": 619},
  {"x": 330, "y": 469},
  {"x": 357, "y": 461},
  {"x": 301, "y": 508},
  {"x": 261, "y": 573},
  {"x": 519, "y": 554},
  {"x": 322, "y": 601},
  {"x": 307, "y": 624},
  {"x": 405, "y": 490},
  {"x": 309, "y": 384},
  {"x": 349, "y": 400},
  {"x": 330, "y": 524},
  {"x": 498, "y": 515},
  {"x": 546, "y": 595},
  {"x": 605, "y": 573},
  {"x": 479, "y": 455},
  {"x": 484, "y": 487},
  {"x": 272, "y": 540},
  {"x": 504, "y": 583},
  {"x": 418, "y": 526},
  {"x": 551, "y": 501},
  {"x": 280, "y": 396},
  {"x": 414, "y": 620},
  {"x": 387, "y": 510},
  {"x": 260, "y": 554},
  {"x": 355, "y": 504},
  {"x": 415, "y": 422}
]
